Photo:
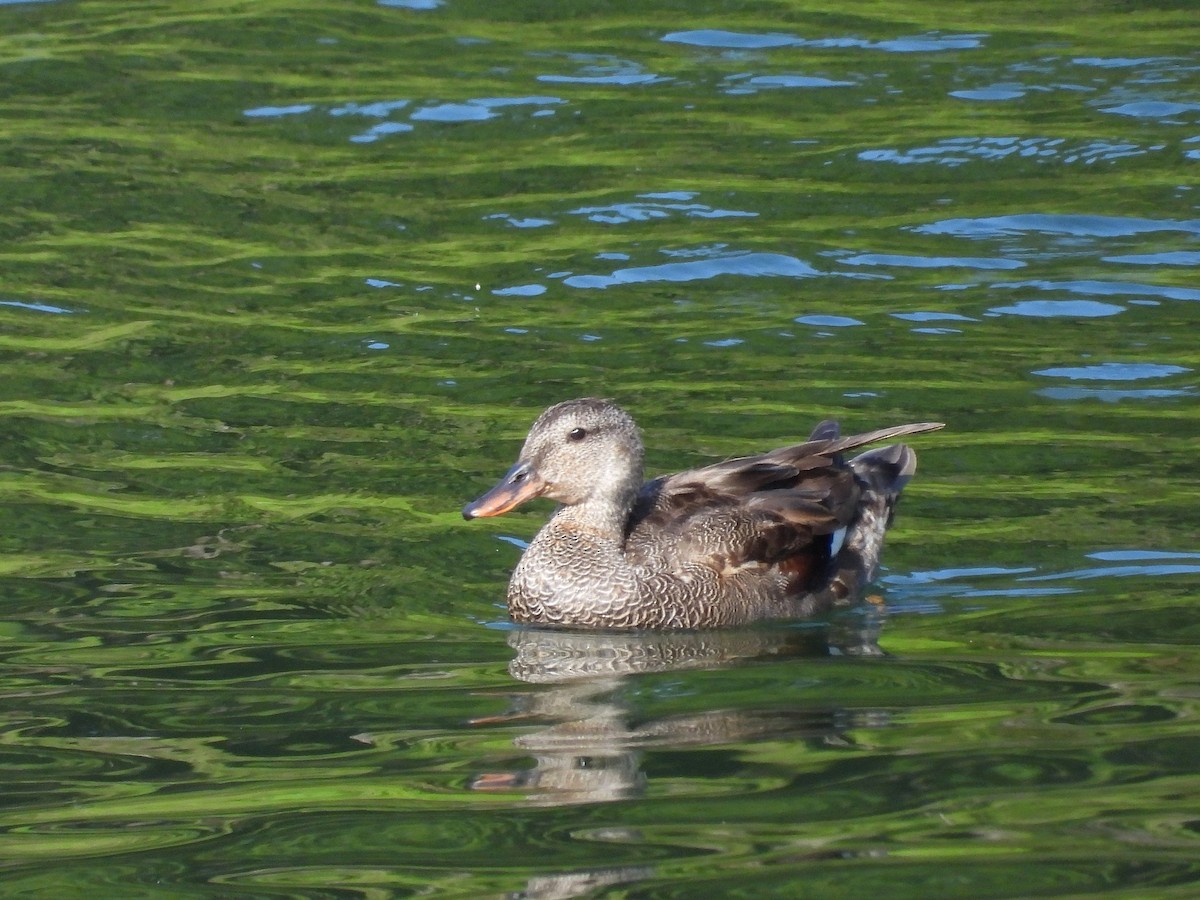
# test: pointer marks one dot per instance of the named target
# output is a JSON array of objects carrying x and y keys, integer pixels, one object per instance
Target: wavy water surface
[{"x": 285, "y": 286}]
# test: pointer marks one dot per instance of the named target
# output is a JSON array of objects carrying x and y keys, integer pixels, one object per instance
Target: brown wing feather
[
  {"x": 749, "y": 473},
  {"x": 769, "y": 509},
  {"x": 799, "y": 454}
]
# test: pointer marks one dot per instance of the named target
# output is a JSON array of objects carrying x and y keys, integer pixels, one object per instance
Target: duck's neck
[{"x": 605, "y": 519}]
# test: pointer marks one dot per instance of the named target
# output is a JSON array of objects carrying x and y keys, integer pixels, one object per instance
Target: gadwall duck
[{"x": 786, "y": 534}]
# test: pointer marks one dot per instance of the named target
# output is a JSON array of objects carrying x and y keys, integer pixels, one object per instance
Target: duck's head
[{"x": 577, "y": 452}]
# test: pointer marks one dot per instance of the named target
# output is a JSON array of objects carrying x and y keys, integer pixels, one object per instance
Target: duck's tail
[{"x": 882, "y": 473}]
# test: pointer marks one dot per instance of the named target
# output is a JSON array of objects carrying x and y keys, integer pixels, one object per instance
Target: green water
[{"x": 283, "y": 285}]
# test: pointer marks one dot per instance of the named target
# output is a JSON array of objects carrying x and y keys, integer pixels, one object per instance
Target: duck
[{"x": 787, "y": 534}]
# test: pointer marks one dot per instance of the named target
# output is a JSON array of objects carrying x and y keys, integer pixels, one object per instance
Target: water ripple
[
  {"x": 1153, "y": 109},
  {"x": 960, "y": 582},
  {"x": 738, "y": 40},
  {"x": 753, "y": 265},
  {"x": 952, "y": 574},
  {"x": 39, "y": 307},
  {"x": 477, "y": 109},
  {"x": 657, "y": 206},
  {"x": 375, "y": 132},
  {"x": 1131, "y": 555},
  {"x": 597, "y": 69},
  {"x": 1004, "y": 91},
  {"x": 828, "y": 321},
  {"x": 378, "y": 110},
  {"x": 990, "y": 227},
  {"x": 1111, "y": 371},
  {"x": 1051, "y": 309},
  {"x": 1111, "y": 395},
  {"x": 930, "y": 262},
  {"x": 521, "y": 221},
  {"x": 932, "y": 317},
  {"x": 953, "y": 152},
  {"x": 751, "y": 84},
  {"x": 919, "y": 591},
  {"x": 1147, "y": 570},
  {"x": 1106, "y": 288},
  {"x": 273, "y": 112},
  {"x": 1120, "y": 62},
  {"x": 521, "y": 290},
  {"x": 615, "y": 78},
  {"x": 1168, "y": 258}
]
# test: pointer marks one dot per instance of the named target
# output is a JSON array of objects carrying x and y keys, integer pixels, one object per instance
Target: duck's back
[
  {"x": 767, "y": 522},
  {"x": 752, "y": 519}
]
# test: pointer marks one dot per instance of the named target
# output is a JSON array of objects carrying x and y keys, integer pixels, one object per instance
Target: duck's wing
[
  {"x": 804, "y": 467},
  {"x": 826, "y": 441},
  {"x": 755, "y": 510}
]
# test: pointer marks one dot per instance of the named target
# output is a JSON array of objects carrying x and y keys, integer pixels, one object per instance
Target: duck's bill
[{"x": 515, "y": 488}]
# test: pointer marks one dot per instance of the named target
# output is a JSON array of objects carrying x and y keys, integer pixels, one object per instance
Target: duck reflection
[{"x": 589, "y": 748}]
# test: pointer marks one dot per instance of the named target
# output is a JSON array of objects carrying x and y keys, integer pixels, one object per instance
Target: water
[{"x": 283, "y": 287}]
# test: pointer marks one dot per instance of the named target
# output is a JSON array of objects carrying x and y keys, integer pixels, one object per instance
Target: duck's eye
[{"x": 577, "y": 434}]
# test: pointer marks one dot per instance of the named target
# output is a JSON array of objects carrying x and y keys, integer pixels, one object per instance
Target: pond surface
[{"x": 284, "y": 286}]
